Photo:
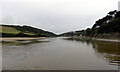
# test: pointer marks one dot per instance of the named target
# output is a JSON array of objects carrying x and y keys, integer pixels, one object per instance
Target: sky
[{"x": 57, "y": 16}]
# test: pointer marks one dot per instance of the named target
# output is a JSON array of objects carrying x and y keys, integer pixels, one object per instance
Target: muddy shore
[{"x": 20, "y": 38}]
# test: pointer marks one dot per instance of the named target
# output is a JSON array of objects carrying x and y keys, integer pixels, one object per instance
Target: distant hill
[
  {"x": 23, "y": 31},
  {"x": 106, "y": 26}
]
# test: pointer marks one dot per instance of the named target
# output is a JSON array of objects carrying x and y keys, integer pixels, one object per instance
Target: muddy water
[{"x": 60, "y": 54}]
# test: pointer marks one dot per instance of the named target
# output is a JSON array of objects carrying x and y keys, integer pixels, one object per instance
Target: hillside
[
  {"x": 23, "y": 31},
  {"x": 108, "y": 26}
]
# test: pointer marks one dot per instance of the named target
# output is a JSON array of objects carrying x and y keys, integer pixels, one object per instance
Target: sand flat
[{"x": 20, "y": 38}]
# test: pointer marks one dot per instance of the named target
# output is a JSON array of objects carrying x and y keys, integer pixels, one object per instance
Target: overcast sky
[{"x": 57, "y": 16}]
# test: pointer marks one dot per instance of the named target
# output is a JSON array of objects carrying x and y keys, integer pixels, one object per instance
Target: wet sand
[{"x": 20, "y": 38}]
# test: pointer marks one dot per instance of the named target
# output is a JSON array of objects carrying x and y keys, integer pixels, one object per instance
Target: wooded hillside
[{"x": 108, "y": 25}]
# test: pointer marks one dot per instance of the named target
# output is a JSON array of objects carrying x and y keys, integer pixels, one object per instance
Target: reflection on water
[
  {"x": 60, "y": 54},
  {"x": 104, "y": 49}
]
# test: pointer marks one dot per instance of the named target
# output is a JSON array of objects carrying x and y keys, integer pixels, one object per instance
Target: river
[{"x": 60, "y": 54}]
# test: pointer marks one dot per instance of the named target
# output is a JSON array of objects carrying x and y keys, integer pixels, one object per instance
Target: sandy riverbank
[{"x": 20, "y": 38}]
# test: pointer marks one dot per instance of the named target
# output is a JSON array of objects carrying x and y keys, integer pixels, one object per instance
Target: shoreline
[
  {"x": 95, "y": 38},
  {"x": 34, "y": 38},
  {"x": 110, "y": 40},
  {"x": 20, "y": 38}
]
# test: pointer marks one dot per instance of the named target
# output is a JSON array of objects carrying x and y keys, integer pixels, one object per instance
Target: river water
[{"x": 60, "y": 54}]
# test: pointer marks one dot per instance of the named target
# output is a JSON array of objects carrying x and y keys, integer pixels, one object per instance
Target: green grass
[
  {"x": 29, "y": 33},
  {"x": 5, "y": 29}
]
